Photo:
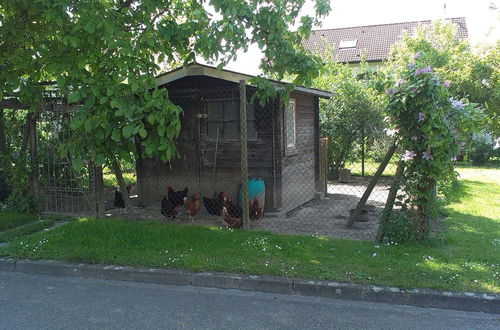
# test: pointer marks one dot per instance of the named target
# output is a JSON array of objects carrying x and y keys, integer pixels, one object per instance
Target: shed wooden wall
[
  {"x": 300, "y": 166},
  {"x": 195, "y": 168}
]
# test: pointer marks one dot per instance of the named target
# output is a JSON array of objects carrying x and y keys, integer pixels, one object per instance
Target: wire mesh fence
[
  {"x": 59, "y": 187},
  {"x": 292, "y": 186}
]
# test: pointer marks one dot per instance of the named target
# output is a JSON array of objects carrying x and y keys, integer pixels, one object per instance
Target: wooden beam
[
  {"x": 371, "y": 185},
  {"x": 12, "y": 104},
  {"x": 244, "y": 153}
]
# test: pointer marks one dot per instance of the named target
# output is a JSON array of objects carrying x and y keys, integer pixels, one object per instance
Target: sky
[{"x": 483, "y": 23}]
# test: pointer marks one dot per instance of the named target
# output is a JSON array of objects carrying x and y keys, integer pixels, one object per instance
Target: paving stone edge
[{"x": 465, "y": 301}]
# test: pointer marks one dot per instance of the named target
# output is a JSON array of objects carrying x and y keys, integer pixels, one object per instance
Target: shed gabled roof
[
  {"x": 197, "y": 69},
  {"x": 372, "y": 41}
]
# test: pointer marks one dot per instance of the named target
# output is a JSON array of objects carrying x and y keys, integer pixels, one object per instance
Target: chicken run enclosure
[{"x": 285, "y": 164}]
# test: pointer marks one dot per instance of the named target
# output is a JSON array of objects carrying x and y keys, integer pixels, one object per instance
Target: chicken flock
[{"x": 220, "y": 205}]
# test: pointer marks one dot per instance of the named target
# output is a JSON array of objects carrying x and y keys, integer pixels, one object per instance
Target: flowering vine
[{"x": 426, "y": 121}]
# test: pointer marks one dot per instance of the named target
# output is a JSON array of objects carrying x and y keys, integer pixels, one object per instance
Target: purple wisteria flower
[
  {"x": 427, "y": 155},
  {"x": 421, "y": 116},
  {"x": 399, "y": 82},
  {"x": 436, "y": 80},
  {"x": 414, "y": 138},
  {"x": 389, "y": 91},
  {"x": 413, "y": 89},
  {"x": 446, "y": 84},
  {"x": 411, "y": 66},
  {"x": 456, "y": 103},
  {"x": 417, "y": 55},
  {"x": 408, "y": 155},
  {"x": 422, "y": 70},
  {"x": 391, "y": 132}
]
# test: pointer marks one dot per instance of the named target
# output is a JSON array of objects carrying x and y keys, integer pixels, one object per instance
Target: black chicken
[
  {"x": 169, "y": 208},
  {"x": 234, "y": 210},
  {"x": 119, "y": 201},
  {"x": 177, "y": 197},
  {"x": 214, "y": 205}
]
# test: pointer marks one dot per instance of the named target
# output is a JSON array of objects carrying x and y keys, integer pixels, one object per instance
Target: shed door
[{"x": 186, "y": 170}]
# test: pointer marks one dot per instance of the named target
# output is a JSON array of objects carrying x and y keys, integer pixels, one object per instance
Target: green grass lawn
[
  {"x": 9, "y": 219},
  {"x": 466, "y": 256},
  {"x": 28, "y": 229}
]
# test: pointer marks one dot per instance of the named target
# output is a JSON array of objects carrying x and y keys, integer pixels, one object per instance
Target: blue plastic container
[{"x": 256, "y": 189}]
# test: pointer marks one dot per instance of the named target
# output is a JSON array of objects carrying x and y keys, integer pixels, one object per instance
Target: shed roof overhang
[{"x": 196, "y": 69}]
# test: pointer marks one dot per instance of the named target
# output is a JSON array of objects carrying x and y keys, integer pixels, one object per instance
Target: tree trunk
[
  {"x": 4, "y": 152},
  {"x": 117, "y": 170},
  {"x": 3, "y": 140},
  {"x": 389, "y": 204}
]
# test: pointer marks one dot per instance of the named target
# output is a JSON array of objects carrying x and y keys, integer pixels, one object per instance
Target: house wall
[{"x": 300, "y": 165}]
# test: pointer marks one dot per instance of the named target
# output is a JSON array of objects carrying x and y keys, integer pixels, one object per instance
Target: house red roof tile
[{"x": 374, "y": 41}]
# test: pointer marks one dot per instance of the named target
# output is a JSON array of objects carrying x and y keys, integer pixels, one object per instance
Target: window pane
[
  {"x": 250, "y": 111},
  {"x": 290, "y": 124},
  {"x": 231, "y": 111},
  {"x": 251, "y": 129},
  {"x": 214, "y": 110},
  {"x": 231, "y": 131}
]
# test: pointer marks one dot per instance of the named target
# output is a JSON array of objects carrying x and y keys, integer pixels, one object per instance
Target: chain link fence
[{"x": 291, "y": 185}]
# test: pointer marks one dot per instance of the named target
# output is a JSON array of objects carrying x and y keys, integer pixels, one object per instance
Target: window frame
[
  {"x": 222, "y": 120},
  {"x": 290, "y": 148}
]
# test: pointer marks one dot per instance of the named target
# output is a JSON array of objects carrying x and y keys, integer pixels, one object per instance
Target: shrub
[
  {"x": 480, "y": 149},
  {"x": 401, "y": 228},
  {"x": 22, "y": 203}
]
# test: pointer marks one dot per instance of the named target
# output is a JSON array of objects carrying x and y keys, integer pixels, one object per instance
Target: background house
[{"x": 373, "y": 42}]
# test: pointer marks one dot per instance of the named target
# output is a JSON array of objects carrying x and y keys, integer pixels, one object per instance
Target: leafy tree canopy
[
  {"x": 472, "y": 73},
  {"x": 105, "y": 54},
  {"x": 353, "y": 115}
]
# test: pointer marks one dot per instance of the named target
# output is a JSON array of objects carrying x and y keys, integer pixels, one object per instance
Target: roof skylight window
[{"x": 348, "y": 43}]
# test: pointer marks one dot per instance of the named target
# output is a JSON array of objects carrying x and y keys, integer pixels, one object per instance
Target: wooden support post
[
  {"x": 371, "y": 185},
  {"x": 363, "y": 151},
  {"x": 389, "y": 204},
  {"x": 323, "y": 166},
  {"x": 33, "y": 153},
  {"x": 244, "y": 154}
]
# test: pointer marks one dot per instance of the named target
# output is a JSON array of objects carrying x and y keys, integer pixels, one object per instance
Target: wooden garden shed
[{"x": 283, "y": 141}]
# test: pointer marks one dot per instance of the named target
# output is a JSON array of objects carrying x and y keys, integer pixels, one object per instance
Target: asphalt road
[{"x": 45, "y": 302}]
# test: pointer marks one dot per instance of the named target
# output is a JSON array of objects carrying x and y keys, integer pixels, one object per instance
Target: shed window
[
  {"x": 225, "y": 116},
  {"x": 290, "y": 125}
]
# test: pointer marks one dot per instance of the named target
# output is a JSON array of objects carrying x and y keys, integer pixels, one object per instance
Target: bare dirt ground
[
  {"x": 328, "y": 217},
  {"x": 325, "y": 217}
]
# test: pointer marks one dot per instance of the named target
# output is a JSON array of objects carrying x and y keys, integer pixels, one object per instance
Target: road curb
[{"x": 465, "y": 301}]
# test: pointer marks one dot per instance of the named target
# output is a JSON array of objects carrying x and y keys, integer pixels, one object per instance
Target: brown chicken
[
  {"x": 192, "y": 206},
  {"x": 230, "y": 221},
  {"x": 255, "y": 210}
]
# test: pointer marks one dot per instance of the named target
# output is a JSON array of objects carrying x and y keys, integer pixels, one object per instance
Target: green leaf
[
  {"x": 171, "y": 130},
  {"x": 90, "y": 28},
  {"x": 74, "y": 97},
  {"x": 115, "y": 136},
  {"x": 127, "y": 131},
  {"x": 99, "y": 160},
  {"x": 77, "y": 163},
  {"x": 143, "y": 133}
]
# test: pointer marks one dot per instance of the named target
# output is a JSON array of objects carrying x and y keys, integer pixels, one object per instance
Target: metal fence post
[{"x": 244, "y": 154}]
